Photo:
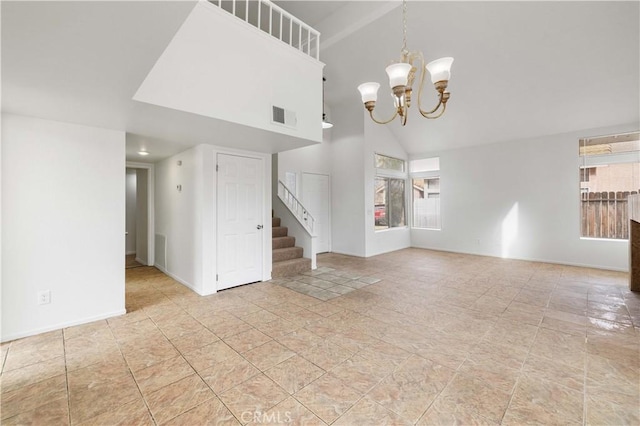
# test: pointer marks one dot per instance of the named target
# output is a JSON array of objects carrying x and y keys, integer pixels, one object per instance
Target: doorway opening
[{"x": 139, "y": 232}]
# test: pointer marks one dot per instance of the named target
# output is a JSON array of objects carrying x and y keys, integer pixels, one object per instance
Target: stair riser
[
  {"x": 275, "y": 222},
  {"x": 291, "y": 269},
  {"x": 287, "y": 254},
  {"x": 279, "y": 231},
  {"x": 282, "y": 242}
]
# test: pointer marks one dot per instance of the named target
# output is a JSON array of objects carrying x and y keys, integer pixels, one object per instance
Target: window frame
[
  {"x": 588, "y": 161},
  {"x": 384, "y": 173},
  {"x": 430, "y": 173},
  {"x": 435, "y": 174}
]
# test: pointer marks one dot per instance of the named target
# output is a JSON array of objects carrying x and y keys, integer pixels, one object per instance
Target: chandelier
[{"x": 401, "y": 78}]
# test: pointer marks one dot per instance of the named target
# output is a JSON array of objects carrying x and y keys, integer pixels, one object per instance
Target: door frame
[
  {"x": 328, "y": 195},
  {"x": 266, "y": 207},
  {"x": 150, "y": 208}
]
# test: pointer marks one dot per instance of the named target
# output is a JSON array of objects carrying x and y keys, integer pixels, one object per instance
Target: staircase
[{"x": 287, "y": 258}]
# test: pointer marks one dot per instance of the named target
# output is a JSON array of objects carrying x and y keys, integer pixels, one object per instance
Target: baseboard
[
  {"x": 526, "y": 259},
  {"x": 59, "y": 326},
  {"x": 180, "y": 280},
  {"x": 345, "y": 253},
  {"x": 129, "y": 253},
  {"x": 140, "y": 261}
]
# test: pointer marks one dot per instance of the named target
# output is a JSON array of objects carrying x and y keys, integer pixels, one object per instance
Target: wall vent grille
[{"x": 284, "y": 117}]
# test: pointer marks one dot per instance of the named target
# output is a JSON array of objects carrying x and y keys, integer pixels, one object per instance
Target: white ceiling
[
  {"x": 311, "y": 12},
  {"x": 522, "y": 69},
  {"x": 82, "y": 62}
]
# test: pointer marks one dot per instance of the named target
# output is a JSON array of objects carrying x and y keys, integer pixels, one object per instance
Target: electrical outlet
[{"x": 44, "y": 297}]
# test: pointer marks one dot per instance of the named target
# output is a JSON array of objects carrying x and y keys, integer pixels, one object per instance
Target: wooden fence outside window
[{"x": 605, "y": 214}]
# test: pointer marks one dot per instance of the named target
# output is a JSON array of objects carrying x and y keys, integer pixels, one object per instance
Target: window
[
  {"x": 609, "y": 173},
  {"x": 585, "y": 172},
  {"x": 426, "y": 193},
  {"x": 389, "y": 163},
  {"x": 389, "y": 192}
]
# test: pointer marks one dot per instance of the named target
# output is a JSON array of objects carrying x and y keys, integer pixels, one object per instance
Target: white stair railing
[
  {"x": 296, "y": 207},
  {"x": 275, "y": 21}
]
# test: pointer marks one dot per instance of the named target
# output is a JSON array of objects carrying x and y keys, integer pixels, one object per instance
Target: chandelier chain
[{"x": 404, "y": 26}]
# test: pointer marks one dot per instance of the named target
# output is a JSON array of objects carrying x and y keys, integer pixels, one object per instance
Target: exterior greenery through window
[
  {"x": 389, "y": 192},
  {"x": 609, "y": 173},
  {"x": 425, "y": 181},
  {"x": 389, "y": 163}
]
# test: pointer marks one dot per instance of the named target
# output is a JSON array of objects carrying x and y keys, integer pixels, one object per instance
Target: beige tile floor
[{"x": 440, "y": 339}]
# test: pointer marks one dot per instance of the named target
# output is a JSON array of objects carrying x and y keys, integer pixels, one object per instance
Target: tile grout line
[
  {"x": 144, "y": 400},
  {"x": 521, "y": 370},
  {"x": 66, "y": 375},
  {"x": 224, "y": 342},
  {"x": 4, "y": 358}
]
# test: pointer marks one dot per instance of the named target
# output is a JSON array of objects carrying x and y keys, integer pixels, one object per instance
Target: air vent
[{"x": 284, "y": 117}]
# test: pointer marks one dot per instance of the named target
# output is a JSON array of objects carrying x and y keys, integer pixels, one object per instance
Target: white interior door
[
  {"x": 315, "y": 197},
  {"x": 240, "y": 228}
]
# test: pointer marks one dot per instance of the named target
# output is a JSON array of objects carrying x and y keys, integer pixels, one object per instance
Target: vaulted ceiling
[{"x": 521, "y": 70}]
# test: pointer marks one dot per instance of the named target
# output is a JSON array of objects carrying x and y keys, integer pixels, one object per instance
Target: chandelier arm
[
  {"x": 426, "y": 113},
  {"x": 432, "y": 117},
  {"x": 395, "y": 114},
  {"x": 422, "y": 73}
]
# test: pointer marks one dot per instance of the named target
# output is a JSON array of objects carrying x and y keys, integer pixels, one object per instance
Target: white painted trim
[
  {"x": 129, "y": 253},
  {"x": 346, "y": 253},
  {"x": 261, "y": 33},
  {"x": 7, "y": 338},
  {"x": 151, "y": 256},
  {"x": 526, "y": 259},
  {"x": 330, "y": 224},
  {"x": 178, "y": 279},
  {"x": 266, "y": 207},
  {"x": 268, "y": 193}
]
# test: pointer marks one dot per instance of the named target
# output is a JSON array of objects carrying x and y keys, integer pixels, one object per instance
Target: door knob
[{"x": 259, "y": 227}]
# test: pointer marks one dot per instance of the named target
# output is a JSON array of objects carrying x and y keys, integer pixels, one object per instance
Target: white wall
[
  {"x": 346, "y": 153},
  {"x": 310, "y": 159},
  {"x": 63, "y": 223},
  {"x": 142, "y": 216},
  {"x": 256, "y": 72},
  {"x": 177, "y": 215},
  {"x": 378, "y": 139},
  {"x": 130, "y": 216},
  {"x": 188, "y": 217},
  {"x": 347, "y": 181},
  {"x": 519, "y": 200}
]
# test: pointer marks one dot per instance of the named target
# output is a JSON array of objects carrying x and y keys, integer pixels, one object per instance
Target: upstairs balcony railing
[
  {"x": 275, "y": 21},
  {"x": 296, "y": 207}
]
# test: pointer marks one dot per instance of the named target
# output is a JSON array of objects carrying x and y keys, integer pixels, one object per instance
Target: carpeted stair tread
[
  {"x": 287, "y": 253},
  {"x": 279, "y": 231},
  {"x": 282, "y": 242},
  {"x": 289, "y": 268}
]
